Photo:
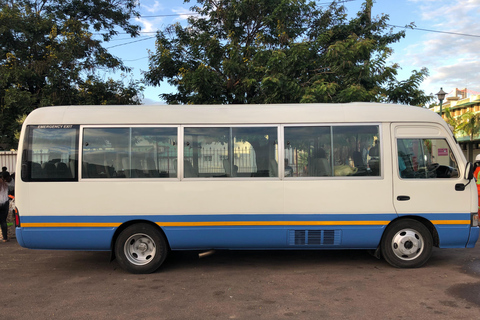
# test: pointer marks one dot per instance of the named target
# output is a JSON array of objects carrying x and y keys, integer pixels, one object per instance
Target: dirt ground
[{"x": 238, "y": 285}]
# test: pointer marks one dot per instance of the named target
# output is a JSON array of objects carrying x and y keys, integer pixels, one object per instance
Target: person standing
[
  {"x": 4, "y": 206},
  {"x": 10, "y": 183},
  {"x": 476, "y": 174}
]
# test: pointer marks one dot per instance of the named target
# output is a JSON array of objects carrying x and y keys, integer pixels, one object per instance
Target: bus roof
[{"x": 231, "y": 114}]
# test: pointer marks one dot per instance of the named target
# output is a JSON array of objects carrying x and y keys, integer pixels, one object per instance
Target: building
[{"x": 459, "y": 102}]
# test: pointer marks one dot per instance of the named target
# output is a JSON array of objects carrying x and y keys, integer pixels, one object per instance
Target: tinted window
[
  {"x": 308, "y": 152},
  {"x": 230, "y": 152},
  {"x": 50, "y": 153},
  {"x": 356, "y": 151},
  {"x": 129, "y": 152},
  {"x": 322, "y": 151}
]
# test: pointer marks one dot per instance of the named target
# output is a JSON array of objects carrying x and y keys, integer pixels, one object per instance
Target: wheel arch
[
  {"x": 427, "y": 223},
  {"x": 127, "y": 224}
]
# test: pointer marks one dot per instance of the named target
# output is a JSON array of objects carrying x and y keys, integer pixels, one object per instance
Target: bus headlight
[{"x": 475, "y": 219}]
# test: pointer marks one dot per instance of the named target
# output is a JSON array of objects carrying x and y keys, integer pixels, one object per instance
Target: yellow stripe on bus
[
  {"x": 69, "y": 224},
  {"x": 207, "y": 223},
  {"x": 451, "y": 221},
  {"x": 229, "y": 223},
  {"x": 269, "y": 223}
]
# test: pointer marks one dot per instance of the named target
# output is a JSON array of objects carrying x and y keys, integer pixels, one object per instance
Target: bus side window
[
  {"x": 50, "y": 153},
  {"x": 255, "y": 151},
  {"x": 99, "y": 153},
  {"x": 129, "y": 152},
  {"x": 214, "y": 152},
  {"x": 154, "y": 152},
  {"x": 309, "y": 151},
  {"x": 357, "y": 151}
]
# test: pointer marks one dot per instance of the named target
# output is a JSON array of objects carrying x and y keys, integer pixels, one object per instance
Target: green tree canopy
[
  {"x": 49, "y": 55},
  {"x": 279, "y": 51},
  {"x": 468, "y": 124}
]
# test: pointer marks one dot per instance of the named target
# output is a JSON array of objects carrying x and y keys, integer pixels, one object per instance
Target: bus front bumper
[{"x": 474, "y": 233}]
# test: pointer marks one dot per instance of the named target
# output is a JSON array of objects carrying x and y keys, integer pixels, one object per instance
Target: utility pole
[
  {"x": 368, "y": 12},
  {"x": 367, "y": 32}
]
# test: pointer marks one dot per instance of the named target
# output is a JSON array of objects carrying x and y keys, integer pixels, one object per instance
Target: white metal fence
[{"x": 8, "y": 159}]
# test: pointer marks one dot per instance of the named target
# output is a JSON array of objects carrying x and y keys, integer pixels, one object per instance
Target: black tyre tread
[
  {"x": 160, "y": 243},
  {"x": 392, "y": 229}
]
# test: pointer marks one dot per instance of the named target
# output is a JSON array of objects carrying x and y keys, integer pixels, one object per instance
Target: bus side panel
[
  {"x": 19, "y": 236},
  {"x": 243, "y": 231},
  {"x": 277, "y": 231},
  {"x": 453, "y": 236},
  {"x": 474, "y": 234},
  {"x": 182, "y": 238},
  {"x": 453, "y": 228},
  {"x": 274, "y": 238},
  {"x": 90, "y": 239}
]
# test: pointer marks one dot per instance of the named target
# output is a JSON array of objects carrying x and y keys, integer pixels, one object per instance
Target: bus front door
[{"x": 425, "y": 174}]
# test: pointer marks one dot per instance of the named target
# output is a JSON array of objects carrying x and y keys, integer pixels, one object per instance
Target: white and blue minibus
[{"x": 140, "y": 181}]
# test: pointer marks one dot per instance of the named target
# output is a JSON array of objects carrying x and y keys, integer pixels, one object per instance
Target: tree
[
  {"x": 50, "y": 56},
  {"x": 278, "y": 51},
  {"x": 466, "y": 124},
  {"x": 469, "y": 124},
  {"x": 452, "y": 120}
]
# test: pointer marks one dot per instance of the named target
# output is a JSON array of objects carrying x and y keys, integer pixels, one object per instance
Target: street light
[{"x": 441, "y": 95}]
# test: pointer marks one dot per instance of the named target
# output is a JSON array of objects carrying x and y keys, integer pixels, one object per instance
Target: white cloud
[
  {"x": 150, "y": 24},
  {"x": 452, "y": 59},
  {"x": 459, "y": 75},
  {"x": 154, "y": 7},
  {"x": 183, "y": 13},
  {"x": 147, "y": 101},
  {"x": 158, "y": 16}
]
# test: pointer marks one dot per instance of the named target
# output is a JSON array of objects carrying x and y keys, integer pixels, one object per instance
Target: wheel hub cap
[
  {"x": 407, "y": 244},
  {"x": 140, "y": 249}
]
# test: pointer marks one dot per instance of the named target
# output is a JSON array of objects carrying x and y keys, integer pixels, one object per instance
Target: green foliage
[
  {"x": 48, "y": 56},
  {"x": 408, "y": 91},
  {"x": 469, "y": 124},
  {"x": 453, "y": 121},
  {"x": 280, "y": 51}
]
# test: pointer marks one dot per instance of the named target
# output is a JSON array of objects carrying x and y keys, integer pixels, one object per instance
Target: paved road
[{"x": 238, "y": 285}]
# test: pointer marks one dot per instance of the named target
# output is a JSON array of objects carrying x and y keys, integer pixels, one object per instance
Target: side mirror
[{"x": 469, "y": 169}]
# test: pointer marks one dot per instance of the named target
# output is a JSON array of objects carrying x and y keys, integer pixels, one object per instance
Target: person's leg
[{"x": 3, "y": 220}]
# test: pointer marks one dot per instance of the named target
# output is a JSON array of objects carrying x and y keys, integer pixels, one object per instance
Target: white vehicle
[{"x": 142, "y": 180}]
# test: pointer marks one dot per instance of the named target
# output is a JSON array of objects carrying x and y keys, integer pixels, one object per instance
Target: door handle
[{"x": 403, "y": 198}]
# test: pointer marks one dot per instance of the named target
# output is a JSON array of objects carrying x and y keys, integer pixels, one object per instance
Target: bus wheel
[
  {"x": 141, "y": 248},
  {"x": 407, "y": 243}
]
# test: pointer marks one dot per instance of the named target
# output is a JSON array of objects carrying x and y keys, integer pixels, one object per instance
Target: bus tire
[
  {"x": 141, "y": 248},
  {"x": 407, "y": 243}
]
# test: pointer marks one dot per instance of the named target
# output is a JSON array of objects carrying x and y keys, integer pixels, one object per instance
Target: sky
[{"x": 445, "y": 40}]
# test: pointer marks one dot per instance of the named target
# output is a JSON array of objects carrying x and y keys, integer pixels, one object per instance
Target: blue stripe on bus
[{"x": 363, "y": 236}]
